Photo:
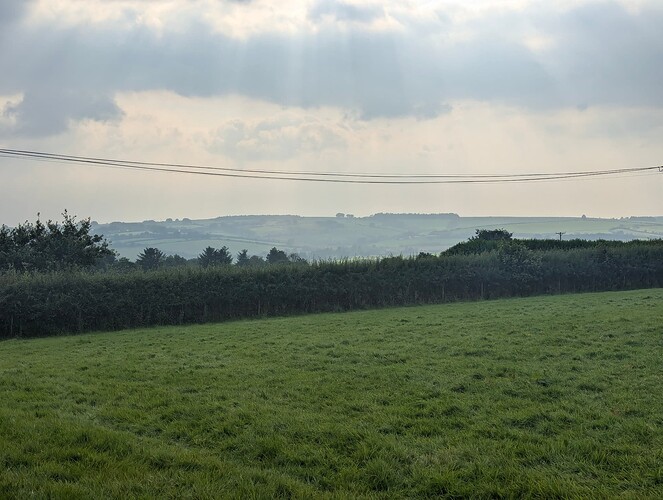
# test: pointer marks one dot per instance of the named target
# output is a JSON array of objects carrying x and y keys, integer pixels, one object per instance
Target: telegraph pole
[{"x": 560, "y": 234}]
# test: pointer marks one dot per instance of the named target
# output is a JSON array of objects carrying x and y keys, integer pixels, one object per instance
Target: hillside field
[
  {"x": 556, "y": 396},
  {"x": 339, "y": 237}
]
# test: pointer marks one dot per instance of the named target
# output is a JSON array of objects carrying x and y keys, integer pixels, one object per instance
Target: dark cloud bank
[{"x": 603, "y": 55}]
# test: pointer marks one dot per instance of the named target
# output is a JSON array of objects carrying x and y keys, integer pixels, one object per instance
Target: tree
[
  {"x": 150, "y": 259},
  {"x": 492, "y": 235},
  {"x": 295, "y": 258},
  {"x": 174, "y": 261},
  {"x": 212, "y": 257},
  {"x": 522, "y": 265},
  {"x": 242, "y": 258},
  {"x": 52, "y": 246},
  {"x": 276, "y": 256},
  {"x": 256, "y": 261}
]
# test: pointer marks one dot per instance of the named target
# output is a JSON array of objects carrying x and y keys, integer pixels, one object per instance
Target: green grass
[{"x": 540, "y": 397}]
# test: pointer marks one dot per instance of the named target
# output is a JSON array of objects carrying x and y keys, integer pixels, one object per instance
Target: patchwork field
[
  {"x": 548, "y": 396},
  {"x": 338, "y": 237}
]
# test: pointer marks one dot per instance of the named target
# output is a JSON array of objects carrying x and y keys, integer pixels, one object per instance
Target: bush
[{"x": 34, "y": 304}]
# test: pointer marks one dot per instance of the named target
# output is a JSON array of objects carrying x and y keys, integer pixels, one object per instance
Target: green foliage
[
  {"x": 254, "y": 261},
  {"x": 150, "y": 259},
  {"x": 212, "y": 257},
  {"x": 175, "y": 261},
  {"x": 485, "y": 240},
  {"x": 45, "y": 304},
  {"x": 52, "y": 246},
  {"x": 480, "y": 245},
  {"x": 242, "y": 258},
  {"x": 492, "y": 235},
  {"x": 276, "y": 256},
  {"x": 546, "y": 397},
  {"x": 521, "y": 263},
  {"x": 124, "y": 265}
]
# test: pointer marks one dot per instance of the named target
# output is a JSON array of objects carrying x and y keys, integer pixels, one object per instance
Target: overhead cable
[{"x": 311, "y": 176}]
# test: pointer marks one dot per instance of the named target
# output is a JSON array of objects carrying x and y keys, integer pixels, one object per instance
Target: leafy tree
[
  {"x": 485, "y": 240},
  {"x": 212, "y": 257},
  {"x": 492, "y": 235},
  {"x": 52, "y": 246},
  {"x": 276, "y": 256},
  {"x": 150, "y": 258},
  {"x": 521, "y": 264}
]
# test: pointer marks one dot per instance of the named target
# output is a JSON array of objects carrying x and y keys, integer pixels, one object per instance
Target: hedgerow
[{"x": 37, "y": 304}]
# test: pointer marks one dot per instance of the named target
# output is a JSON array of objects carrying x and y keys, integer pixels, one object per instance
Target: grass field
[{"x": 546, "y": 397}]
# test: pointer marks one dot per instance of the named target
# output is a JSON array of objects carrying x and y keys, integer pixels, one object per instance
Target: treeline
[
  {"x": 33, "y": 304},
  {"x": 152, "y": 259},
  {"x": 489, "y": 240},
  {"x": 70, "y": 246},
  {"x": 52, "y": 246}
]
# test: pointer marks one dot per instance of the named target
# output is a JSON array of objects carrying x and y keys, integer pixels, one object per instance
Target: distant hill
[{"x": 349, "y": 236}]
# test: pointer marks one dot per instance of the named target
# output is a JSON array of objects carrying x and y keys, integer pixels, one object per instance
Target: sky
[{"x": 390, "y": 87}]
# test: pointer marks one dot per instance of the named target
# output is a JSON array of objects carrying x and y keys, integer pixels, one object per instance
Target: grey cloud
[
  {"x": 11, "y": 10},
  {"x": 608, "y": 56},
  {"x": 49, "y": 111},
  {"x": 602, "y": 55},
  {"x": 343, "y": 11},
  {"x": 275, "y": 139}
]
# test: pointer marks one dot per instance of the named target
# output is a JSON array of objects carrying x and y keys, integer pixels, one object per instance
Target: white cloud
[
  {"x": 276, "y": 139},
  {"x": 530, "y": 56},
  {"x": 336, "y": 10},
  {"x": 408, "y": 86}
]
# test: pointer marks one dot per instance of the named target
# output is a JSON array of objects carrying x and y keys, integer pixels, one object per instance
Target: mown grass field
[{"x": 544, "y": 397}]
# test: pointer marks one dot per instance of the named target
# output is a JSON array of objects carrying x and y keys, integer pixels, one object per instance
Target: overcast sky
[{"x": 453, "y": 87}]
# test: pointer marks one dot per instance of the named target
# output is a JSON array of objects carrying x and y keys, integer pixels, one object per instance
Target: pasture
[{"x": 556, "y": 396}]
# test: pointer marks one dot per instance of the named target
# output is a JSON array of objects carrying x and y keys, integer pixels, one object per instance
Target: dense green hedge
[
  {"x": 478, "y": 245},
  {"x": 47, "y": 304}
]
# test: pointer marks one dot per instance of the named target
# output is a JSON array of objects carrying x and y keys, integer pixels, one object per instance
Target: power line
[
  {"x": 309, "y": 176},
  {"x": 36, "y": 154}
]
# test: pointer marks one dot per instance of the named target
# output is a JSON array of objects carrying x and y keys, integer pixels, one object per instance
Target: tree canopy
[
  {"x": 150, "y": 258},
  {"x": 52, "y": 246},
  {"x": 492, "y": 235},
  {"x": 212, "y": 257}
]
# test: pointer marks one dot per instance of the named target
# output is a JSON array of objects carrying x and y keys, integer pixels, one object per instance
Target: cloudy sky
[{"x": 404, "y": 87}]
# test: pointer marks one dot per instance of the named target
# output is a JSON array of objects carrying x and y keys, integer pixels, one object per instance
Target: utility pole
[{"x": 560, "y": 234}]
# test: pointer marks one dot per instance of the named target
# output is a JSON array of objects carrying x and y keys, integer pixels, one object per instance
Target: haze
[{"x": 389, "y": 87}]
